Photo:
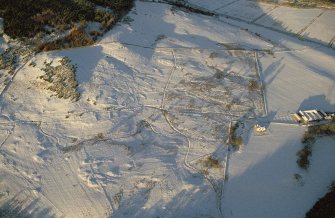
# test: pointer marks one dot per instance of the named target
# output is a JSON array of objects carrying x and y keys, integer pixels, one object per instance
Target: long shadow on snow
[
  {"x": 198, "y": 201},
  {"x": 87, "y": 59},
  {"x": 269, "y": 188},
  {"x": 313, "y": 101},
  {"x": 170, "y": 31},
  {"x": 22, "y": 209}
]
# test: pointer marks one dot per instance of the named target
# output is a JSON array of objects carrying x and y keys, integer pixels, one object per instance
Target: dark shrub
[
  {"x": 324, "y": 207},
  {"x": 303, "y": 157}
]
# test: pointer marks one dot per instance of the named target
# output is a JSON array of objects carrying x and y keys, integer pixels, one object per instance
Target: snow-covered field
[
  {"x": 310, "y": 23},
  {"x": 264, "y": 180},
  {"x": 321, "y": 29},
  {"x": 298, "y": 80},
  {"x": 293, "y": 20},
  {"x": 251, "y": 10},
  {"x": 158, "y": 94}
]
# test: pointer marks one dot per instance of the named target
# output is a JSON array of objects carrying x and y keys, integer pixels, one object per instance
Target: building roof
[{"x": 309, "y": 115}]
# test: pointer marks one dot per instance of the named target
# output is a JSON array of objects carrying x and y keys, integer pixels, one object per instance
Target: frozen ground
[
  {"x": 156, "y": 105},
  {"x": 252, "y": 10},
  {"x": 298, "y": 81},
  {"x": 262, "y": 180},
  {"x": 320, "y": 28},
  {"x": 293, "y": 20},
  {"x": 310, "y": 24}
]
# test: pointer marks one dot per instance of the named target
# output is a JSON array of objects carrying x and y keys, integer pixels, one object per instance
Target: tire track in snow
[
  {"x": 162, "y": 108},
  {"x": 9, "y": 133},
  {"x": 165, "y": 113},
  {"x": 217, "y": 188},
  {"x": 169, "y": 79},
  {"x": 12, "y": 79},
  {"x": 111, "y": 205},
  {"x": 65, "y": 184},
  {"x": 32, "y": 187}
]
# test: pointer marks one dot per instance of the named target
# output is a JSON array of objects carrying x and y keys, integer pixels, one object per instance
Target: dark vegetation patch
[
  {"x": 211, "y": 162},
  {"x": 309, "y": 138},
  {"x": 62, "y": 79},
  {"x": 235, "y": 140},
  {"x": 115, "y": 4},
  {"x": 76, "y": 38},
  {"x": 325, "y": 206},
  {"x": 303, "y": 156},
  {"x": 32, "y": 20},
  {"x": 220, "y": 74},
  {"x": 9, "y": 61},
  {"x": 208, "y": 164},
  {"x": 253, "y": 85}
]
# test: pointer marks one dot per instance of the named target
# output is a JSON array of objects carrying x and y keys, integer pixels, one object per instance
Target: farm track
[
  {"x": 12, "y": 79},
  {"x": 111, "y": 205},
  {"x": 9, "y": 133},
  {"x": 217, "y": 188}
]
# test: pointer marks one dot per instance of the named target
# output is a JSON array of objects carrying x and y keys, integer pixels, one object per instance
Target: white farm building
[{"x": 311, "y": 116}]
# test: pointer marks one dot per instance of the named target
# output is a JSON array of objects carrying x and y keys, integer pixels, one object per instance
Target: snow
[
  {"x": 251, "y": 10},
  {"x": 288, "y": 19},
  {"x": 299, "y": 81},
  {"x": 261, "y": 178},
  {"x": 312, "y": 24},
  {"x": 321, "y": 29},
  {"x": 158, "y": 94},
  {"x": 212, "y": 4},
  {"x": 176, "y": 30}
]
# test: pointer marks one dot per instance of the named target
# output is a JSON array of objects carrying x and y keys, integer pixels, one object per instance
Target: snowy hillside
[{"x": 140, "y": 124}]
